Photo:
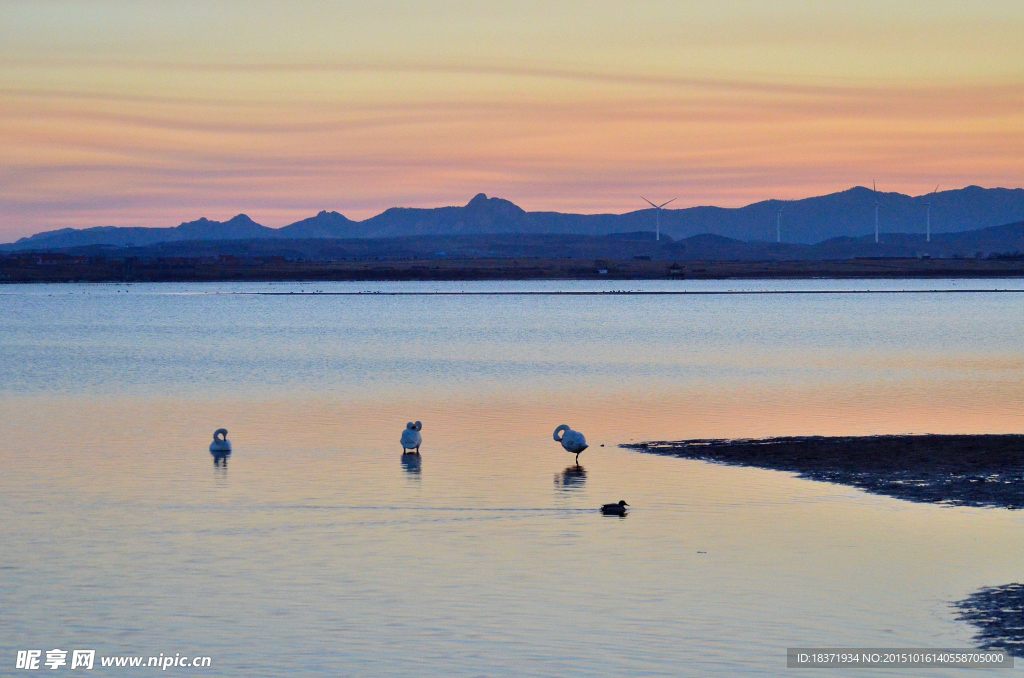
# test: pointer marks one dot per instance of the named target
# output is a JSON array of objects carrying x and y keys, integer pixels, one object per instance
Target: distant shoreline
[
  {"x": 63, "y": 268},
  {"x": 959, "y": 470}
]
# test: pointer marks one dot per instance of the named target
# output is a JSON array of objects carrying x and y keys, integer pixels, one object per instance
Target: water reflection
[
  {"x": 411, "y": 464},
  {"x": 571, "y": 479},
  {"x": 220, "y": 460}
]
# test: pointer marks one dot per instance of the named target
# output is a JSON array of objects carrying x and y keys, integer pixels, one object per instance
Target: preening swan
[
  {"x": 615, "y": 509},
  {"x": 572, "y": 441},
  {"x": 411, "y": 438},
  {"x": 220, "y": 441}
]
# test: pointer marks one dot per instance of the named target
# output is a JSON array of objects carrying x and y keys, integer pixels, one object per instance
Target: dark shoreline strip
[
  {"x": 998, "y": 614},
  {"x": 610, "y": 293},
  {"x": 956, "y": 470}
]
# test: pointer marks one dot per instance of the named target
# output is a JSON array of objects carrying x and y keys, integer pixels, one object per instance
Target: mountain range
[
  {"x": 1006, "y": 241},
  {"x": 847, "y": 214}
]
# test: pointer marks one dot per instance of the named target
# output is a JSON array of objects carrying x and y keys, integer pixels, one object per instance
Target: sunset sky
[{"x": 153, "y": 113}]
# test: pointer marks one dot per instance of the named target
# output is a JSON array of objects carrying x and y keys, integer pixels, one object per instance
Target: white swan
[
  {"x": 220, "y": 444},
  {"x": 411, "y": 438},
  {"x": 615, "y": 509},
  {"x": 572, "y": 441}
]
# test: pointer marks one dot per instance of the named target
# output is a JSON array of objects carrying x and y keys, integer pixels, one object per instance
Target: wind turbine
[
  {"x": 778, "y": 224},
  {"x": 875, "y": 191},
  {"x": 928, "y": 237},
  {"x": 657, "y": 215}
]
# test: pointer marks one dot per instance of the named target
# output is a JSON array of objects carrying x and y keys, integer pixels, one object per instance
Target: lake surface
[{"x": 317, "y": 551}]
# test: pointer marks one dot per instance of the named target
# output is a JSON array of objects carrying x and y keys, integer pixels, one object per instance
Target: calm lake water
[{"x": 317, "y": 551}]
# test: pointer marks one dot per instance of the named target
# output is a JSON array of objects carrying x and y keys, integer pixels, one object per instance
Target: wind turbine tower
[
  {"x": 875, "y": 191},
  {"x": 928, "y": 227},
  {"x": 778, "y": 224},
  {"x": 657, "y": 215}
]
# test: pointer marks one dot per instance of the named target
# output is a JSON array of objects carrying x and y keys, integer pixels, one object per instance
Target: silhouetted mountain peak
[
  {"x": 855, "y": 194},
  {"x": 238, "y": 226},
  {"x": 237, "y": 220},
  {"x": 328, "y": 215},
  {"x": 324, "y": 225},
  {"x": 324, "y": 215},
  {"x": 481, "y": 204}
]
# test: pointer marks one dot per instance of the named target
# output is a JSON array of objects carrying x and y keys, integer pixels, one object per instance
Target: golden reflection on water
[
  {"x": 121, "y": 447},
  {"x": 317, "y": 505},
  {"x": 915, "y": 407}
]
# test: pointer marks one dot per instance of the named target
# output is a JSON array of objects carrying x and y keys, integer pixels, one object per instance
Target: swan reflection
[
  {"x": 220, "y": 460},
  {"x": 411, "y": 463},
  {"x": 572, "y": 478}
]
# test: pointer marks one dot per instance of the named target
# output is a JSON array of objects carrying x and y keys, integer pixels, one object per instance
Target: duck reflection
[
  {"x": 411, "y": 463},
  {"x": 572, "y": 478}
]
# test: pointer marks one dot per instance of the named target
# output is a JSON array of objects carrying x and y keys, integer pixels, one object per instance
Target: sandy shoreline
[{"x": 958, "y": 470}]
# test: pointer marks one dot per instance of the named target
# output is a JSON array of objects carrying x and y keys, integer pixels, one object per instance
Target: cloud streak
[{"x": 778, "y": 86}]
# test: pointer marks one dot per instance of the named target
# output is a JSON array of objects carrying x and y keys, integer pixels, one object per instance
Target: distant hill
[
  {"x": 851, "y": 214},
  {"x": 240, "y": 227},
  {"x": 1007, "y": 239},
  {"x": 848, "y": 214},
  {"x": 323, "y": 225}
]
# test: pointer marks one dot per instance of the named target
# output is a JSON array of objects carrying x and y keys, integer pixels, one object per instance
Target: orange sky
[{"x": 154, "y": 113}]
